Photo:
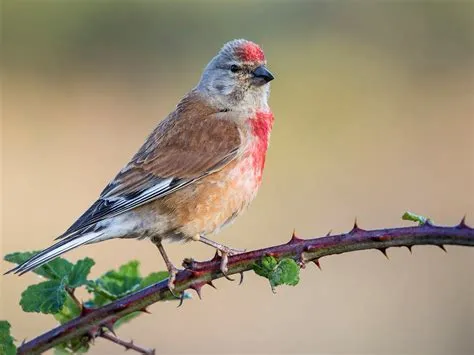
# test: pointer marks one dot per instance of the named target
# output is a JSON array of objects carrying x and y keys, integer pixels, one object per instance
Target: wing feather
[{"x": 192, "y": 142}]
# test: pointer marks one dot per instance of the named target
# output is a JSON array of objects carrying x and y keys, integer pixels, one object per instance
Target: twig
[
  {"x": 128, "y": 345},
  {"x": 198, "y": 274},
  {"x": 70, "y": 292}
]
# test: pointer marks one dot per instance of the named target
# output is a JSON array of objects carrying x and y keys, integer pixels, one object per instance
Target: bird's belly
[{"x": 214, "y": 201}]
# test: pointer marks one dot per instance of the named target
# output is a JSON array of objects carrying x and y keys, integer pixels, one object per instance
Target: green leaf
[
  {"x": 74, "y": 346},
  {"x": 283, "y": 272},
  {"x": 265, "y": 266},
  {"x": 153, "y": 278},
  {"x": 7, "y": 347},
  {"x": 128, "y": 270},
  {"x": 126, "y": 279},
  {"x": 78, "y": 275},
  {"x": 62, "y": 349},
  {"x": 120, "y": 282},
  {"x": 410, "y": 216},
  {"x": 287, "y": 272},
  {"x": 54, "y": 270},
  {"x": 69, "y": 311},
  {"x": 45, "y": 297},
  {"x": 126, "y": 319},
  {"x": 115, "y": 284}
]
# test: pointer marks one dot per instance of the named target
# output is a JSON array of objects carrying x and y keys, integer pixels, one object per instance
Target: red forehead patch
[{"x": 251, "y": 52}]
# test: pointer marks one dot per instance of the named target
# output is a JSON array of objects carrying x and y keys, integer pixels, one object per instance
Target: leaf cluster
[
  {"x": 7, "y": 345},
  {"x": 283, "y": 272},
  {"x": 56, "y": 294}
]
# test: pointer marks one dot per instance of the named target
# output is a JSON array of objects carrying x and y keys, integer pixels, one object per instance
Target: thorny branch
[
  {"x": 197, "y": 274},
  {"x": 127, "y": 345}
]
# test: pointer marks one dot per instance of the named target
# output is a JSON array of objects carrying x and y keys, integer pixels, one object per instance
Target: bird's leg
[
  {"x": 169, "y": 265},
  {"x": 225, "y": 252}
]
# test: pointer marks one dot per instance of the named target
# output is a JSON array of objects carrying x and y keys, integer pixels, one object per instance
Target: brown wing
[{"x": 192, "y": 142}]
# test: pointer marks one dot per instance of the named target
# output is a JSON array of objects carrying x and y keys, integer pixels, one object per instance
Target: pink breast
[{"x": 261, "y": 127}]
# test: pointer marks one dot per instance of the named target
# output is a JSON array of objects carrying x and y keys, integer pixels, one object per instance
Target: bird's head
[{"x": 237, "y": 78}]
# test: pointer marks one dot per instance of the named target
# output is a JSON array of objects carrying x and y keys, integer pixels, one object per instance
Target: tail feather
[{"x": 54, "y": 251}]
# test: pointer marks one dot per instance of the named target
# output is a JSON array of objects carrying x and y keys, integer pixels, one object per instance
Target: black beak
[{"x": 263, "y": 74}]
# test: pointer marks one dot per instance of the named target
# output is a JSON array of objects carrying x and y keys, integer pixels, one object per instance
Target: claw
[
  {"x": 172, "y": 278},
  {"x": 224, "y": 261},
  {"x": 181, "y": 300},
  {"x": 241, "y": 278},
  {"x": 175, "y": 295},
  {"x": 233, "y": 251}
]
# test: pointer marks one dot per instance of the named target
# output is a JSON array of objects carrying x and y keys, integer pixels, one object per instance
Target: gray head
[{"x": 236, "y": 78}]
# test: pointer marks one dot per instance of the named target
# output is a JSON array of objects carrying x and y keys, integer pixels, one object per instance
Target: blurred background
[{"x": 374, "y": 116}]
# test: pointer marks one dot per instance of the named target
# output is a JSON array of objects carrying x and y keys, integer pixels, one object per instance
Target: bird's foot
[
  {"x": 225, "y": 253},
  {"x": 173, "y": 271},
  {"x": 230, "y": 251},
  {"x": 223, "y": 267}
]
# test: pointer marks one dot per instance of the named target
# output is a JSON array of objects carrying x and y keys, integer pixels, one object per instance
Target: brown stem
[
  {"x": 127, "y": 345},
  {"x": 197, "y": 274}
]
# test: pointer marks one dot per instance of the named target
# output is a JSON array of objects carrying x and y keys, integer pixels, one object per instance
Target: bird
[{"x": 196, "y": 172}]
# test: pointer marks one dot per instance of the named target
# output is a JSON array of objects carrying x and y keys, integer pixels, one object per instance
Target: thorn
[
  {"x": 227, "y": 276},
  {"x": 329, "y": 233},
  {"x": 462, "y": 224},
  {"x": 384, "y": 252},
  {"x": 355, "y": 228},
  {"x": 110, "y": 327},
  {"x": 409, "y": 248},
  {"x": 316, "y": 262},
  {"x": 85, "y": 310},
  {"x": 145, "y": 310},
  {"x": 211, "y": 284},
  {"x": 23, "y": 342},
  {"x": 188, "y": 263},
  {"x": 355, "y": 224},
  {"x": 216, "y": 257},
  {"x": 197, "y": 288},
  {"x": 442, "y": 247},
  {"x": 241, "y": 278},
  {"x": 181, "y": 300},
  {"x": 93, "y": 333},
  {"x": 294, "y": 238},
  {"x": 128, "y": 345},
  {"x": 428, "y": 223}
]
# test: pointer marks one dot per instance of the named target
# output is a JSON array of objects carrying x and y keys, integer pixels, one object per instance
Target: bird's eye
[{"x": 234, "y": 68}]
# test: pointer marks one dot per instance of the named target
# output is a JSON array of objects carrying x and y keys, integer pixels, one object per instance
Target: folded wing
[{"x": 194, "y": 141}]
